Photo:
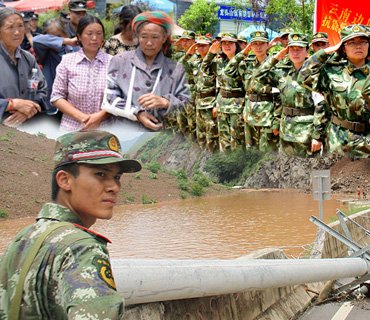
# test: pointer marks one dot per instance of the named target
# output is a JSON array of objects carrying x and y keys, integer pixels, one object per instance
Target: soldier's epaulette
[
  {"x": 336, "y": 60},
  {"x": 285, "y": 63},
  {"x": 250, "y": 58},
  {"x": 93, "y": 233}
]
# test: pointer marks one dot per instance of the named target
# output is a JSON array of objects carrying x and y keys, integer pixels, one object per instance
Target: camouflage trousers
[
  {"x": 346, "y": 142},
  {"x": 186, "y": 120},
  {"x": 296, "y": 149},
  {"x": 230, "y": 131},
  {"x": 261, "y": 138},
  {"x": 206, "y": 130},
  {"x": 170, "y": 122}
]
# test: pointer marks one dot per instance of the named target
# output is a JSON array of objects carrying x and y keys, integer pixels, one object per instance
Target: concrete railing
[{"x": 272, "y": 303}]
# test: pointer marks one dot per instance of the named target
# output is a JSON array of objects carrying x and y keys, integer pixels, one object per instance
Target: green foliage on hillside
[
  {"x": 230, "y": 168},
  {"x": 154, "y": 148},
  {"x": 233, "y": 167}
]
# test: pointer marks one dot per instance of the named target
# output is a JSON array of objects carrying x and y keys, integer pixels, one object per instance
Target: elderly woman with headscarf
[
  {"x": 144, "y": 85},
  {"x": 17, "y": 103}
]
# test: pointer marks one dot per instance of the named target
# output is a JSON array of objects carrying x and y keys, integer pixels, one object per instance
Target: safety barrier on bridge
[{"x": 143, "y": 281}]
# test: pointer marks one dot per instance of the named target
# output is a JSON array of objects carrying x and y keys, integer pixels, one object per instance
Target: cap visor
[
  {"x": 355, "y": 35},
  {"x": 126, "y": 165},
  {"x": 298, "y": 44},
  {"x": 229, "y": 39},
  {"x": 259, "y": 39},
  {"x": 320, "y": 40}
]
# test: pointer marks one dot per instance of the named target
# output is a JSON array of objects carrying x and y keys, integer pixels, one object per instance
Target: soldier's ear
[{"x": 64, "y": 180}]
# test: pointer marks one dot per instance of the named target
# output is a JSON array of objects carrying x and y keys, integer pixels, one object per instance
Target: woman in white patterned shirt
[
  {"x": 125, "y": 39},
  {"x": 81, "y": 78}
]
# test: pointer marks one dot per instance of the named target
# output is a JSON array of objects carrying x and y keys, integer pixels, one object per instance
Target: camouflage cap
[
  {"x": 232, "y": 37},
  {"x": 219, "y": 35},
  {"x": 285, "y": 31},
  {"x": 203, "y": 39},
  {"x": 320, "y": 37},
  {"x": 92, "y": 147},
  {"x": 297, "y": 40},
  {"x": 77, "y": 5},
  {"x": 188, "y": 34},
  {"x": 353, "y": 31},
  {"x": 242, "y": 38},
  {"x": 259, "y": 36}
]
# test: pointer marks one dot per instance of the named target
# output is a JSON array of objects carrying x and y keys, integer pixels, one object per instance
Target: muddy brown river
[{"x": 222, "y": 227}]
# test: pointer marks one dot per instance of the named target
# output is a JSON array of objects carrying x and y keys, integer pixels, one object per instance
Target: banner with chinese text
[{"x": 332, "y": 15}]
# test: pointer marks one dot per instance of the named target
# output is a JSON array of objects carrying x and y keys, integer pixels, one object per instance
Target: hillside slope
[{"x": 25, "y": 175}]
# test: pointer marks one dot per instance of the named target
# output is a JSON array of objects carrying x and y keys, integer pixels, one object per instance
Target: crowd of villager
[{"x": 296, "y": 94}]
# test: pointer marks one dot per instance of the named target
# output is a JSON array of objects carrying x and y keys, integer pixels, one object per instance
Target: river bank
[{"x": 26, "y": 173}]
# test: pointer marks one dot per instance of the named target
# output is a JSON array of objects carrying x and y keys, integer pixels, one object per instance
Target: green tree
[
  {"x": 201, "y": 17},
  {"x": 297, "y": 14}
]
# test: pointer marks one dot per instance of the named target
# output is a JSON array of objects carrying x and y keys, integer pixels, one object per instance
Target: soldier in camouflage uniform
[
  {"x": 57, "y": 268},
  {"x": 259, "y": 104},
  {"x": 320, "y": 40},
  {"x": 282, "y": 38},
  {"x": 242, "y": 41},
  {"x": 183, "y": 43},
  {"x": 344, "y": 83},
  {"x": 297, "y": 103},
  {"x": 205, "y": 85},
  {"x": 230, "y": 96},
  {"x": 186, "y": 40}
]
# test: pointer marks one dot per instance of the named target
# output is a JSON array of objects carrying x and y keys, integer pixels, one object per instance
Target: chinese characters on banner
[
  {"x": 245, "y": 14},
  {"x": 332, "y": 15}
]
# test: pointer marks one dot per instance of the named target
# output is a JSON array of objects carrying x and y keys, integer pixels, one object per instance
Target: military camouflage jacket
[
  {"x": 70, "y": 277},
  {"x": 215, "y": 65},
  {"x": 259, "y": 101},
  {"x": 203, "y": 84},
  {"x": 341, "y": 83},
  {"x": 284, "y": 76},
  {"x": 191, "y": 64},
  {"x": 178, "y": 55}
]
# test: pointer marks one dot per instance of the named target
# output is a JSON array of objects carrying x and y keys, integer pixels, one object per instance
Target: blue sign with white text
[{"x": 246, "y": 14}]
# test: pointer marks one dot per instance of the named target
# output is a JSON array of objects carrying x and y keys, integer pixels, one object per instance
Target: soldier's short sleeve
[{"x": 86, "y": 285}]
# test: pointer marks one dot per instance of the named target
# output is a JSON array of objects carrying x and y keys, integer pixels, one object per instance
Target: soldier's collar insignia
[
  {"x": 365, "y": 69},
  {"x": 258, "y": 34},
  {"x": 295, "y": 37},
  {"x": 356, "y": 29},
  {"x": 104, "y": 271},
  {"x": 113, "y": 144}
]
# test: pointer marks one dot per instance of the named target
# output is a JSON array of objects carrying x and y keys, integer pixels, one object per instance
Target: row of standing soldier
[{"x": 284, "y": 101}]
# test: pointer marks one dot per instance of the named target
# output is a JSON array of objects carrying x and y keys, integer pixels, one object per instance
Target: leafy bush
[
  {"x": 3, "y": 213},
  {"x": 197, "y": 189},
  {"x": 233, "y": 166},
  {"x": 153, "y": 167},
  {"x": 183, "y": 184},
  {"x": 130, "y": 198},
  {"x": 183, "y": 195},
  {"x": 152, "y": 175},
  {"x": 147, "y": 200},
  {"x": 181, "y": 174},
  {"x": 201, "y": 179}
]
